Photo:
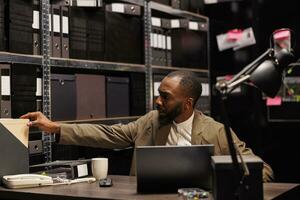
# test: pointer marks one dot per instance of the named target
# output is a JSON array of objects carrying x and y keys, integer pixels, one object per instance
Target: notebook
[{"x": 165, "y": 169}]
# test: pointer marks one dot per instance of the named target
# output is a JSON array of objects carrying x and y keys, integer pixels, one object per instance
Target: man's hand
[{"x": 38, "y": 119}]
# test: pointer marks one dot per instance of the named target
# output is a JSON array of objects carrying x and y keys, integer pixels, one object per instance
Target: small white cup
[{"x": 99, "y": 168}]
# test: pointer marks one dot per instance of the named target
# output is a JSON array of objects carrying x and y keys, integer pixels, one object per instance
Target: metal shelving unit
[
  {"x": 46, "y": 69},
  {"x": 148, "y": 69}
]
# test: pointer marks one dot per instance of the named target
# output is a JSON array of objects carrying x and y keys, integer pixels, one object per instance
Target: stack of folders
[{"x": 68, "y": 169}]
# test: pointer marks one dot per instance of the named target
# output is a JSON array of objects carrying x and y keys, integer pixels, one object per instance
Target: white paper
[
  {"x": 82, "y": 170},
  {"x": 5, "y": 85},
  {"x": 247, "y": 39},
  {"x": 169, "y": 43},
  {"x": 156, "y": 21},
  {"x": 50, "y": 23},
  {"x": 65, "y": 25},
  {"x": 155, "y": 87},
  {"x": 160, "y": 41},
  {"x": 175, "y": 23},
  {"x": 164, "y": 42},
  {"x": 205, "y": 89},
  {"x": 155, "y": 40},
  {"x": 38, "y": 87},
  {"x": 118, "y": 7},
  {"x": 56, "y": 23},
  {"x": 193, "y": 26},
  {"x": 223, "y": 43},
  {"x": 86, "y": 3},
  {"x": 210, "y": 1},
  {"x": 36, "y": 20},
  {"x": 152, "y": 40}
]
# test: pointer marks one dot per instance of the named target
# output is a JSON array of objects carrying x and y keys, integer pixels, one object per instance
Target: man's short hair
[{"x": 190, "y": 82}]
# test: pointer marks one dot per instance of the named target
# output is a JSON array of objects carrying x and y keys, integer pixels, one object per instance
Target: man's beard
[{"x": 165, "y": 118}]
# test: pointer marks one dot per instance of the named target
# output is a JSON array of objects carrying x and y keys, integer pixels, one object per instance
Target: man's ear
[{"x": 190, "y": 102}]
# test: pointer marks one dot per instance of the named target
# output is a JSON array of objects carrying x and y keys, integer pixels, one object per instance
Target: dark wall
[{"x": 274, "y": 142}]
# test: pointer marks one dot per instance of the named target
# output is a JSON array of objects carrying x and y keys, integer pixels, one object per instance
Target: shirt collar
[{"x": 187, "y": 123}]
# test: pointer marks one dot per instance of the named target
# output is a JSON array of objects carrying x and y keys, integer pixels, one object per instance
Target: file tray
[{"x": 70, "y": 169}]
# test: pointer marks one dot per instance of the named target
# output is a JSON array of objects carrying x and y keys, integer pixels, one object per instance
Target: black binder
[
  {"x": 137, "y": 94},
  {"x": 117, "y": 91},
  {"x": 23, "y": 89},
  {"x": 124, "y": 34},
  {"x": 189, "y": 47},
  {"x": 95, "y": 33},
  {"x": 36, "y": 45},
  {"x": 63, "y": 97},
  {"x": 18, "y": 160},
  {"x": 56, "y": 31},
  {"x": 19, "y": 18},
  {"x": 78, "y": 33},
  {"x": 5, "y": 94},
  {"x": 2, "y": 27},
  {"x": 180, "y": 4},
  {"x": 65, "y": 44}
]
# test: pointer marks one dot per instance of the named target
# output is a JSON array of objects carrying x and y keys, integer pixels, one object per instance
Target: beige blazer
[{"x": 147, "y": 131}]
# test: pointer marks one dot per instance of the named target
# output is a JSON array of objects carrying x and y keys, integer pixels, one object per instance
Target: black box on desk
[
  {"x": 71, "y": 169},
  {"x": 223, "y": 181}
]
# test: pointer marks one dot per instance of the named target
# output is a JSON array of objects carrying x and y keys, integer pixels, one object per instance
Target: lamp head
[{"x": 268, "y": 75}]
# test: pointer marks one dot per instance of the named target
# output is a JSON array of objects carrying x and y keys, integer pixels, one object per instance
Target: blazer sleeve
[
  {"x": 268, "y": 174},
  {"x": 102, "y": 136}
]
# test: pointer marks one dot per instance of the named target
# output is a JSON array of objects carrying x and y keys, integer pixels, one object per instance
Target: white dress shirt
[{"x": 181, "y": 133}]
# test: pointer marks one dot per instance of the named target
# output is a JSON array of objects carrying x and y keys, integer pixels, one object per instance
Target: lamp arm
[
  {"x": 235, "y": 84},
  {"x": 251, "y": 66}
]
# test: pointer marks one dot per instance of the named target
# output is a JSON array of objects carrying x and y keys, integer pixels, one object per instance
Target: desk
[{"x": 124, "y": 188}]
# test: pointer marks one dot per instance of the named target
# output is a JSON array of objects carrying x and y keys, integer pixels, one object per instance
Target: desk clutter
[
  {"x": 38, "y": 180},
  {"x": 69, "y": 169}
]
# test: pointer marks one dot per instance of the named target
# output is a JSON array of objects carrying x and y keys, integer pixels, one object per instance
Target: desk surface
[{"x": 124, "y": 187}]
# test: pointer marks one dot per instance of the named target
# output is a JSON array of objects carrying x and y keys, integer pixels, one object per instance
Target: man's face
[{"x": 170, "y": 103}]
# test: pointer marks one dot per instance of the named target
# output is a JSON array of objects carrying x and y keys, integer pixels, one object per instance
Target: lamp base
[{"x": 224, "y": 187}]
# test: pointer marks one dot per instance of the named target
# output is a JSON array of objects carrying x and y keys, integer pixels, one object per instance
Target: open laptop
[{"x": 164, "y": 169}]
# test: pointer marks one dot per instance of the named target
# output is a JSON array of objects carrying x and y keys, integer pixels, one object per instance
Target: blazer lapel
[
  {"x": 197, "y": 128},
  {"x": 162, "y": 134}
]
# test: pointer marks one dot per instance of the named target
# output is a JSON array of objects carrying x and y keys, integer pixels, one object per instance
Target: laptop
[{"x": 165, "y": 169}]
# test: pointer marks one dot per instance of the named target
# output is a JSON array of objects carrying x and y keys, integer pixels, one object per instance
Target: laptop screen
[{"x": 164, "y": 169}]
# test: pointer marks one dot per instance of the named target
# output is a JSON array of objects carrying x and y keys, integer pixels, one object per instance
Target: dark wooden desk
[{"x": 124, "y": 188}]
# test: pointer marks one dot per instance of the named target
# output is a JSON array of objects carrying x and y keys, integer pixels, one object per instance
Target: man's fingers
[
  {"x": 30, "y": 115},
  {"x": 33, "y": 123}
]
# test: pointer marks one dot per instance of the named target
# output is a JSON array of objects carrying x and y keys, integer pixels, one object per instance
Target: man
[{"x": 175, "y": 122}]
